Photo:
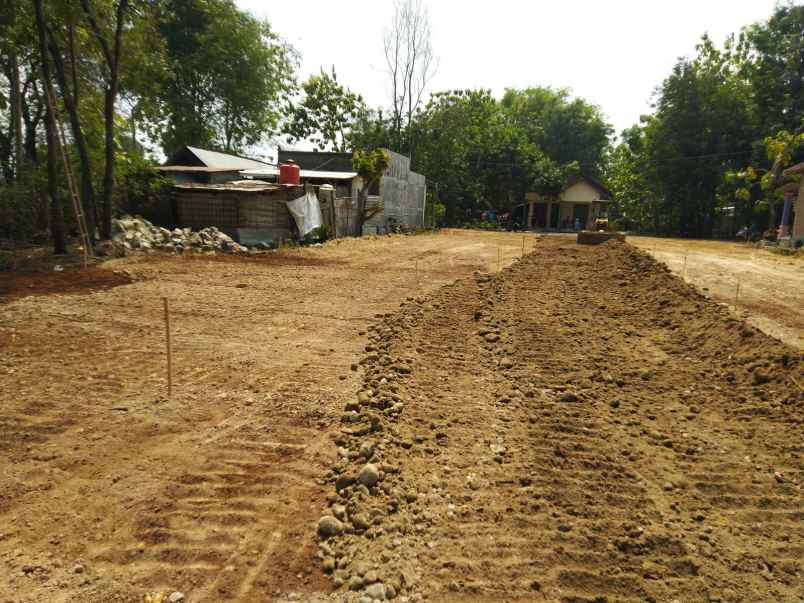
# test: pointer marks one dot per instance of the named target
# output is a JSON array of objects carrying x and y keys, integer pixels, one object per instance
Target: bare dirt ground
[
  {"x": 583, "y": 428},
  {"x": 771, "y": 294},
  {"x": 109, "y": 490}
]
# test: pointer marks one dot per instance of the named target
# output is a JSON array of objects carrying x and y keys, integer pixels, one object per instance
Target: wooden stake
[
  {"x": 169, "y": 353},
  {"x": 684, "y": 273},
  {"x": 499, "y": 259},
  {"x": 523, "y": 247},
  {"x": 737, "y": 295}
]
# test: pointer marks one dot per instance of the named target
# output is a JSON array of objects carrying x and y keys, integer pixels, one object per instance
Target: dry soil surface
[
  {"x": 109, "y": 490},
  {"x": 582, "y": 428},
  {"x": 771, "y": 294}
]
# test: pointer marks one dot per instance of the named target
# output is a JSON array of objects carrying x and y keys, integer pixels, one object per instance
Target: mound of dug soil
[
  {"x": 581, "y": 427},
  {"x": 14, "y": 285}
]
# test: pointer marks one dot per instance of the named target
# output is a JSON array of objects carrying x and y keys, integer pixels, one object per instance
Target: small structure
[
  {"x": 249, "y": 211},
  {"x": 201, "y": 166},
  {"x": 798, "y": 208},
  {"x": 399, "y": 197},
  {"x": 580, "y": 203}
]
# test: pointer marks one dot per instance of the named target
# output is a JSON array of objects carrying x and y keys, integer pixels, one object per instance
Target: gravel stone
[
  {"x": 328, "y": 526},
  {"x": 376, "y": 591},
  {"x": 369, "y": 475}
]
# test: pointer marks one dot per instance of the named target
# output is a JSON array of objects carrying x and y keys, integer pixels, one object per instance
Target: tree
[
  {"x": 70, "y": 93},
  {"x": 411, "y": 65},
  {"x": 703, "y": 126},
  {"x": 774, "y": 66},
  {"x": 371, "y": 129},
  {"x": 15, "y": 91},
  {"x": 479, "y": 158},
  {"x": 780, "y": 150},
  {"x": 370, "y": 166},
  {"x": 326, "y": 114},
  {"x": 722, "y": 130},
  {"x": 56, "y": 208},
  {"x": 568, "y": 130},
  {"x": 629, "y": 178},
  {"x": 229, "y": 73},
  {"x": 110, "y": 41}
]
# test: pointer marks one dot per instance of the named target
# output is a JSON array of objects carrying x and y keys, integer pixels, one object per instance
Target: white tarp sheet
[{"x": 306, "y": 212}]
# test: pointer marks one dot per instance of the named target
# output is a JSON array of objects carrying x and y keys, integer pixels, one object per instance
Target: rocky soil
[{"x": 582, "y": 427}]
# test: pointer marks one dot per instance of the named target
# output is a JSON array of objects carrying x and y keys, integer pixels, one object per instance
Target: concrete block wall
[{"x": 403, "y": 196}]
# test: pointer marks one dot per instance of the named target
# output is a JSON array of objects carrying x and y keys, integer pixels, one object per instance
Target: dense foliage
[
  {"x": 131, "y": 76},
  {"x": 124, "y": 76},
  {"x": 229, "y": 76},
  {"x": 725, "y": 126}
]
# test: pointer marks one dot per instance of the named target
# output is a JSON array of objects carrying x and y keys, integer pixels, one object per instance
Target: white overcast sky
[{"x": 611, "y": 52}]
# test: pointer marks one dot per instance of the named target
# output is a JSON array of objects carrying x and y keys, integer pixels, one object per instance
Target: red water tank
[{"x": 289, "y": 173}]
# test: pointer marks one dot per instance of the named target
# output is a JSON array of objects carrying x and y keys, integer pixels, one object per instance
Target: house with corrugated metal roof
[
  {"x": 201, "y": 166},
  {"x": 398, "y": 197}
]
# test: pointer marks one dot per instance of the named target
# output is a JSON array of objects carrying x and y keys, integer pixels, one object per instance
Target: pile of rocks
[{"x": 136, "y": 234}]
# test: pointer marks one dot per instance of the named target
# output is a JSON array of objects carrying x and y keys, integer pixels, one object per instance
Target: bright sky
[{"x": 611, "y": 52}]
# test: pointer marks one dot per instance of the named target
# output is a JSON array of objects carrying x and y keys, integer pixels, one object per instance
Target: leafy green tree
[
  {"x": 702, "y": 127},
  {"x": 230, "y": 72},
  {"x": 743, "y": 185},
  {"x": 477, "y": 157},
  {"x": 325, "y": 114},
  {"x": 370, "y": 166},
  {"x": 628, "y": 176},
  {"x": 66, "y": 43},
  {"x": 774, "y": 67},
  {"x": 568, "y": 130},
  {"x": 372, "y": 129}
]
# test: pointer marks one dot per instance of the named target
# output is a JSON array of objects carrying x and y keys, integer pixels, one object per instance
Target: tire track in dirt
[
  {"x": 230, "y": 529},
  {"x": 582, "y": 428}
]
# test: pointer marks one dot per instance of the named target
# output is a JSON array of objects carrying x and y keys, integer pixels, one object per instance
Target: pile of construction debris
[{"x": 135, "y": 234}]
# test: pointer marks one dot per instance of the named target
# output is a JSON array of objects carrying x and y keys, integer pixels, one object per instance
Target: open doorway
[{"x": 580, "y": 215}]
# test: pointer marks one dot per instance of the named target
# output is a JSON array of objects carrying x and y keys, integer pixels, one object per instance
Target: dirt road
[
  {"x": 771, "y": 294},
  {"x": 583, "y": 428},
  {"x": 108, "y": 490}
]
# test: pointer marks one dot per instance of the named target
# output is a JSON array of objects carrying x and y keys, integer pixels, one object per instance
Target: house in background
[
  {"x": 200, "y": 166},
  {"x": 581, "y": 202}
]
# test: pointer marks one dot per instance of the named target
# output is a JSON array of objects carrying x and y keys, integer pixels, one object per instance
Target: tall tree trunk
[
  {"x": 71, "y": 100},
  {"x": 15, "y": 100},
  {"x": 108, "y": 174},
  {"x": 56, "y": 209},
  {"x": 16, "y": 112},
  {"x": 32, "y": 119},
  {"x": 112, "y": 57},
  {"x": 360, "y": 214}
]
